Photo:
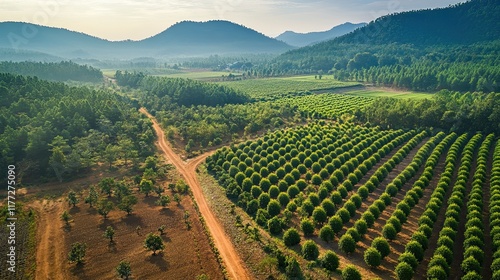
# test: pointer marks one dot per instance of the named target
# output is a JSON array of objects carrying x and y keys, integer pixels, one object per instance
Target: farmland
[
  {"x": 282, "y": 87},
  {"x": 360, "y": 192}
]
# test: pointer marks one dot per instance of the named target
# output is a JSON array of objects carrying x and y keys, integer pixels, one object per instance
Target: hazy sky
[{"x": 139, "y": 19}]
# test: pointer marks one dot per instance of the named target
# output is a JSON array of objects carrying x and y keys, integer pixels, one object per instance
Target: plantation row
[
  {"x": 327, "y": 105},
  {"x": 494, "y": 208},
  {"x": 380, "y": 247}
]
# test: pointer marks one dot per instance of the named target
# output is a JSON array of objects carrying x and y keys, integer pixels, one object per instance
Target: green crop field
[
  {"x": 393, "y": 94},
  {"x": 274, "y": 88},
  {"x": 200, "y": 75}
]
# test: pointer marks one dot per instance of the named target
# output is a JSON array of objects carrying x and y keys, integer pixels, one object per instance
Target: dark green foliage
[
  {"x": 310, "y": 250},
  {"x": 408, "y": 258},
  {"x": 330, "y": 261},
  {"x": 273, "y": 208},
  {"x": 319, "y": 215},
  {"x": 328, "y": 206},
  {"x": 291, "y": 237},
  {"x": 389, "y": 232},
  {"x": 404, "y": 271},
  {"x": 382, "y": 246},
  {"x": 368, "y": 218},
  {"x": 274, "y": 225},
  {"x": 416, "y": 249},
  {"x": 77, "y": 252},
  {"x": 347, "y": 244},
  {"x": 446, "y": 252},
  {"x": 361, "y": 226},
  {"x": 437, "y": 272},
  {"x": 470, "y": 264},
  {"x": 336, "y": 223},
  {"x": 344, "y": 215},
  {"x": 61, "y": 71},
  {"x": 326, "y": 233},
  {"x": 372, "y": 257},
  {"x": 307, "y": 227},
  {"x": 350, "y": 272}
]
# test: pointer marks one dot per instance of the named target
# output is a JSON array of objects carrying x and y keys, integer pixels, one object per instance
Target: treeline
[
  {"x": 49, "y": 129},
  {"x": 447, "y": 110},
  {"x": 204, "y": 126},
  {"x": 458, "y": 68},
  {"x": 53, "y": 71},
  {"x": 203, "y": 114},
  {"x": 181, "y": 92}
]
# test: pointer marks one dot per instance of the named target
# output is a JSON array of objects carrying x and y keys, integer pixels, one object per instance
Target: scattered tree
[
  {"x": 72, "y": 198},
  {"x": 153, "y": 242},
  {"x": 127, "y": 203},
  {"x": 109, "y": 233},
  {"x": 123, "y": 269},
  {"x": 77, "y": 253}
]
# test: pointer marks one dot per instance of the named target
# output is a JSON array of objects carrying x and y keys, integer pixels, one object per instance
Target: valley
[{"x": 210, "y": 150}]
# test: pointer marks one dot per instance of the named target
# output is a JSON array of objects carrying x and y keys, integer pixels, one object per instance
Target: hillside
[
  {"x": 210, "y": 37},
  {"x": 304, "y": 39},
  {"x": 452, "y": 48},
  {"x": 184, "y": 38}
]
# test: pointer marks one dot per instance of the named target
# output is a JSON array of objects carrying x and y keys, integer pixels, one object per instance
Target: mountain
[
  {"x": 304, "y": 39},
  {"x": 465, "y": 23},
  {"x": 212, "y": 37},
  {"x": 182, "y": 39}
]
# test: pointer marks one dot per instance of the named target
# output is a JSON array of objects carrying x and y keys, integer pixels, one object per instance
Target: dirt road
[
  {"x": 234, "y": 264},
  {"x": 50, "y": 258}
]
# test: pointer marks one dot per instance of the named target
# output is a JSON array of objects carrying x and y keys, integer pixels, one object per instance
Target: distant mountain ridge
[
  {"x": 304, "y": 39},
  {"x": 185, "y": 38},
  {"x": 463, "y": 23}
]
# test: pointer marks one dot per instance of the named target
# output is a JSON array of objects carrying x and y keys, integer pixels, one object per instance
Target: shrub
[
  {"x": 447, "y": 231},
  {"x": 368, "y": 218},
  {"x": 400, "y": 215},
  {"x": 328, "y": 206},
  {"x": 446, "y": 252},
  {"x": 274, "y": 225},
  {"x": 344, "y": 215},
  {"x": 330, "y": 261},
  {"x": 391, "y": 190},
  {"x": 436, "y": 272},
  {"x": 336, "y": 198},
  {"x": 416, "y": 249},
  {"x": 374, "y": 210},
  {"x": 356, "y": 199},
  {"x": 319, "y": 215},
  {"x": 291, "y": 237},
  {"x": 310, "y": 250},
  {"x": 326, "y": 233},
  {"x": 307, "y": 227},
  {"x": 351, "y": 207},
  {"x": 404, "y": 271},
  {"x": 347, "y": 244},
  {"x": 361, "y": 226},
  {"x": 363, "y": 192},
  {"x": 439, "y": 260},
  {"x": 354, "y": 233},
  {"x": 470, "y": 264},
  {"x": 283, "y": 199},
  {"x": 336, "y": 224},
  {"x": 395, "y": 222},
  {"x": 427, "y": 230},
  {"x": 273, "y": 208},
  {"x": 475, "y": 252},
  {"x": 372, "y": 257},
  {"x": 472, "y": 276},
  {"x": 350, "y": 272},
  {"x": 420, "y": 238},
  {"x": 408, "y": 258},
  {"x": 389, "y": 232},
  {"x": 445, "y": 241},
  {"x": 382, "y": 246},
  {"x": 308, "y": 207}
]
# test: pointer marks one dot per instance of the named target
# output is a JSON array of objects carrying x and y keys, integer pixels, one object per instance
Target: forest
[
  {"x": 53, "y": 71},
  {"x": 53, "y": 130}
]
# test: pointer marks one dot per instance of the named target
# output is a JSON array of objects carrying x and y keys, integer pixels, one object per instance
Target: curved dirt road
[{"x": 234, "y": 264}]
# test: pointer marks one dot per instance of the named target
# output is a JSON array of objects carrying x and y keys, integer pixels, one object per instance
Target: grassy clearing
[
  {"x": 269, "y": 88},
  {"x": 389, "y": 93},
  {"x": 201, "y": 75}
]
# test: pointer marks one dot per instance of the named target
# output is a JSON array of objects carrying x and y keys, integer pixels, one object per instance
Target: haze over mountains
[
  {"x": 304, "y": 39},
  {"x": 182, "y": 39}
]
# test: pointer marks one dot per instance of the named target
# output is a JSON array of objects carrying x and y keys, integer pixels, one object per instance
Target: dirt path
[
  {"x": 234, "y": 264},
  {"x": 50, "y": 258}
]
